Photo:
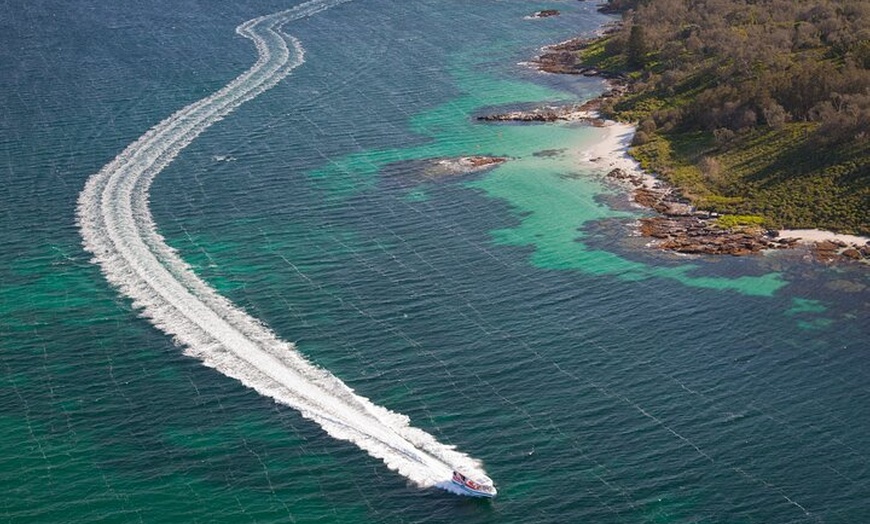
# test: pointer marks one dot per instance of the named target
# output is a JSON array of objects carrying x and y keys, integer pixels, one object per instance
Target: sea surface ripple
[{"x": 118, "y": 229}]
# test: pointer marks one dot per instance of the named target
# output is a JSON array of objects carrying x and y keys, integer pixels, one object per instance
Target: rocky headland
[
  {"x": 679, "y": 227},
  {"x": 563, "y": 58}
]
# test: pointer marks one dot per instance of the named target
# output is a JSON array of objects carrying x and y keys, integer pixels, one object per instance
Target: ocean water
[{"x": 510, "y": 314}]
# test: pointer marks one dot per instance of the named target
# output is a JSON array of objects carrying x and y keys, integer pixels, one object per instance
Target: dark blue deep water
[{"x": 509, "y": 314}]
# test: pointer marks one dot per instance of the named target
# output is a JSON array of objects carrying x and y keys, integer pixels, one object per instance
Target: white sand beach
[
  {"x": 817, "y": 235},
  {"x": 611, "y": 152}
]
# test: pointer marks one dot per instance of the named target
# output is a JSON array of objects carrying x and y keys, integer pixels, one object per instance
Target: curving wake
[{"x": 118, "y": 229}]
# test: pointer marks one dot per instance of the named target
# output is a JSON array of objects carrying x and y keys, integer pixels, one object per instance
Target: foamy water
[{"x": 118, "y": 229}]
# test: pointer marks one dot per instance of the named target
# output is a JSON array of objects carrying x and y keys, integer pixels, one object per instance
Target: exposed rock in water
[
  {"x": 618, "y": 173},
  {"x": 571, "y": 113},
  {"x": 833, "y": 250},
  {"x": 548, "y": 153},
  {"x": 480, "y": 162},
  {"x": 852, "y": 253},
  {"x": 574, "y": 44},
  {"x": 561, "y": 62},
  {"x": 846, "y": 286},
  {"x": 445, "y": 167},
  {"x": 664, "y": 201},
  {"x": 647, "y": 197},
  {"x": 634, "y": 180},
  {"x": 544, "y": 13}
]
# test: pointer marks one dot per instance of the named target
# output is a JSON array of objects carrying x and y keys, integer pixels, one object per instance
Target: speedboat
[{"x": 480, "y": 487}]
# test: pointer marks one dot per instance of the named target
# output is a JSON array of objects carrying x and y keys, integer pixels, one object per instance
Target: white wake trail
[{"x": 118, "y": 229}]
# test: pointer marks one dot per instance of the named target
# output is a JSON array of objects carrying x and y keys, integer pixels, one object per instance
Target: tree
[
  {"x": 637, "y": 47},
  {"x": 774, "y": 114}
]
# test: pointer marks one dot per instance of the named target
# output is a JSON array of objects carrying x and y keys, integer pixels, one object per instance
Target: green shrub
[{"x": 740, "y": 221}]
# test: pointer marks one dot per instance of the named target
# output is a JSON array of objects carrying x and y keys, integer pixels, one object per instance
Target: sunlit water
[{"x": 508, "y": 314}]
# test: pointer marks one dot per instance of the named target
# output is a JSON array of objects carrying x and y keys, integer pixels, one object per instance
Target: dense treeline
[
  {"x": 759, "y": 62},
  {"x": 736, "y": 69}
]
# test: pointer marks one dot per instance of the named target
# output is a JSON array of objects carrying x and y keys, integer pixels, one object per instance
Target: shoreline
[
  {"x": 610, "y": 155},
  {"x": 611, "y": 152},
  {"x": 678, "y": 225}
]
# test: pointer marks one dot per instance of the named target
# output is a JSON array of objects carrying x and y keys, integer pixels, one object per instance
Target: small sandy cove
[{"x": 611, "y": 152}]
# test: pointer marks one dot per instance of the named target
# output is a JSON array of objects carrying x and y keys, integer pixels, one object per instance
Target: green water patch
[
  {"x": 666, "y": 509},
  {"x": 815, "y": 324},
  {"x": 449, "y": 131},
  {"x": 808, "y": 314},
  {"x": 805, "y": 305},
  {"x": 551, "y": 201},
  {"x": 553, "y": 207},
  {"x": 417, "y": 195}
]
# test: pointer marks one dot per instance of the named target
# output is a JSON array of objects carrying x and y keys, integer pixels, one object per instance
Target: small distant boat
[{"x": 482, "y": 487}]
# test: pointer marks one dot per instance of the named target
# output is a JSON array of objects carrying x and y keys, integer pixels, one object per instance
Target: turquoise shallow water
[{"x": 507, "y": 313}]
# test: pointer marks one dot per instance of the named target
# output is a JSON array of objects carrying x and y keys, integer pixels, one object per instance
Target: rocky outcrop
[
  {"x": 661, "y": 202},
  {"x": 697, "y": 235},
  {"x": 622, "y": 175},
  {"x": 834, "y": 250},
  {"x": 446, "y": 167},
  {"x": 572, "y": 113},
  {"x": 562, "y": 62},
  {"x": 681, "y": 228},
  {"x": 545, "y": 13},
  {"x": 563, "y": 58},
  {"x": 480, "y": 162}
]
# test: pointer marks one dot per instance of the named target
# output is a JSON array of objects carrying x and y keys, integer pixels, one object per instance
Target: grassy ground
[
  {"x": 789, "y": 176},
  {"x": 781, "y": 175}
]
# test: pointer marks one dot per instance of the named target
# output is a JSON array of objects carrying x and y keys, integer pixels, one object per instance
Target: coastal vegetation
[{"x": 749, "y": 107}]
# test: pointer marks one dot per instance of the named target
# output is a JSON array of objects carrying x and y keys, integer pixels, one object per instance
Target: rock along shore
[{"x": 679, "y": 227}]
